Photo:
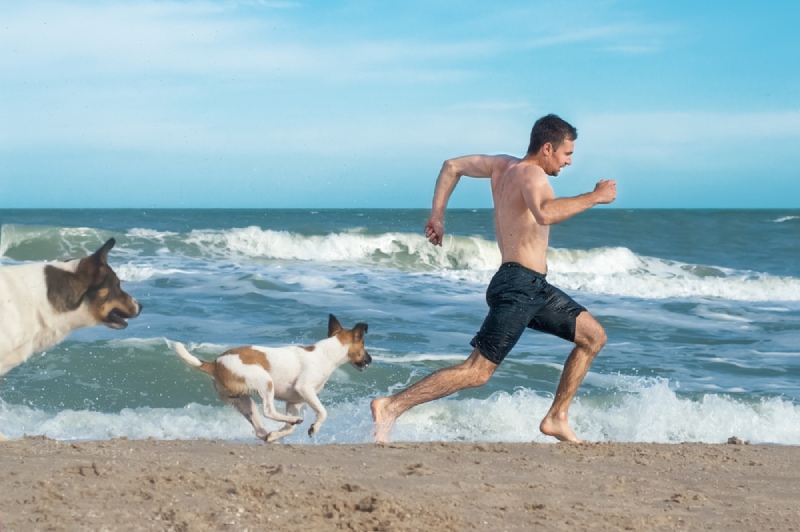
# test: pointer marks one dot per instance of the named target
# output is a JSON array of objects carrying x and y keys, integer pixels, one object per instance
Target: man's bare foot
[
  {"x": 558, "y": 429},
  {"x": 383, "y": 416}
]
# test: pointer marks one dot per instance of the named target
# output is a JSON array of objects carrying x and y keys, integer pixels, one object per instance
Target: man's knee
[
  {"x": 590, "y": 334},
  {"x": 481, "y": 377},
  {"x": 479, "y": 368},
  {"x": 600, "y": 339}
]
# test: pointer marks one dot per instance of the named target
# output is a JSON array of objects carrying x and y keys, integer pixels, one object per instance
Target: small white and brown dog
[
  {"x": 43, "y": 302},
  {"x": 294, "y": 374}
]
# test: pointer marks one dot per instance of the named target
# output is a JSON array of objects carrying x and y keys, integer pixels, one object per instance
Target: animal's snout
[
  {"x": 118, "y": 316},
  {"x": 133, "y": 308},
  {"x": 362, "y": 363}
]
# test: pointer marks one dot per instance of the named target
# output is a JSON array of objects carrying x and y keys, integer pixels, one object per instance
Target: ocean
[{"x": 701, "y": 308}]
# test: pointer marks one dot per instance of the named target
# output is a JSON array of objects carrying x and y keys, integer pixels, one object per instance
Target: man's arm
[
  {"x": 451, "y": 172},
  {"x": 549, "y": 210}
]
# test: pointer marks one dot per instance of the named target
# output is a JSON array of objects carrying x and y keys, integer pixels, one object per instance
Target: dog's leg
[
  {"x": 248, "y": 408},
  {"x": 313, "y": 401},
  {"x": 292, "y": 409},
  {"x": 244, "y": 404},
  {"x": 265, "y": 391}
]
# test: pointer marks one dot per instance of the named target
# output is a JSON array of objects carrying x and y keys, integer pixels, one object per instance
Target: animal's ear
[
  {"x": 66, "y": 290},
  {"x": 360, "y": 329},
  {"x": 334, "y": 327},
  {"x": 93, "y": 269},
  {"x": 101, "y": 255}
]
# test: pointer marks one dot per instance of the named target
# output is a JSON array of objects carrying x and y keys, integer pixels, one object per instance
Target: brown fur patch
[
  {"x": 108, "y": 296},
  {"x": 345, "y": 336},
  {"x": 248, "y": 355},
  {"x": 232, "y": 383},
  {"x": 65, "y": 290},
  {"x": 310, "y": 348},
  {"x": 355, "y": 341}
]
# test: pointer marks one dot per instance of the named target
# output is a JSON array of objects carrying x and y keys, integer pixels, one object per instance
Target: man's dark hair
[{"x": 552, "y": 129}]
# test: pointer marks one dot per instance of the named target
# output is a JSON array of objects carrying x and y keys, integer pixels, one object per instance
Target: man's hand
[
  {"x": 434, "y": 230},
  {"x": 606, "y": 191}
]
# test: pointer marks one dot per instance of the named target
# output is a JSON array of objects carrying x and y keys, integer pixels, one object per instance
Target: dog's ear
[
  {"x": 334, "y": 327},
  {"x": 360, "y": 329},
  {"x": 102, "y": 253},
  {"x": 93, "y": 269},
  {"x": 66, "y": 290}
]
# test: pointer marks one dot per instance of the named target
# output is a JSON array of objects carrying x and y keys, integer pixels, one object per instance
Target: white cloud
[
  {"x": 123, "y": 40},
  {"x": 680, "y": 128},
  {"x": 492, "y": 106},
  {"x": 683, "y": 143},
  {"x": 173, "y": 76},
  {"x": 262, "y": 82}
]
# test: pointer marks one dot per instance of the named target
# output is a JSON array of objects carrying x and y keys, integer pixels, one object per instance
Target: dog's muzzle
[
  {"x": 118, "y": 318},
  {"x": 362, "y": 364}
]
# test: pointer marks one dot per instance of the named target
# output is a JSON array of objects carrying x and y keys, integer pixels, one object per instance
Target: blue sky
[{"x": 356, "y": 104}]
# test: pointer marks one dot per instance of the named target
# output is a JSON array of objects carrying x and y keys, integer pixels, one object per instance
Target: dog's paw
[
  {"x": 296, "y": 421},
  {"x": 313, "y": 430}
]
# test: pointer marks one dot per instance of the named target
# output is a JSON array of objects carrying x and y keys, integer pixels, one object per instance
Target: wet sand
[{"x": 211, "y": 485}]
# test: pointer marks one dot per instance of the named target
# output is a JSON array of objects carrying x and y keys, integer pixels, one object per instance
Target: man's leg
[
  {"x": 473, "y": 372},
  {"x": 589, "y": 340}
]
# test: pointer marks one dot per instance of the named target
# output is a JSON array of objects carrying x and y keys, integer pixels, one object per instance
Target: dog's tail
[{"x": 202, "y": 365}]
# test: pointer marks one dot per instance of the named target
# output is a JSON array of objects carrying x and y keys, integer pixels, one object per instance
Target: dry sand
[{"x": 210, "y": 485}]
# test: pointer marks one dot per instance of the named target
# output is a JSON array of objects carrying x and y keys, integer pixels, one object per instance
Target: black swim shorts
[{"x": 519, "y": 297}]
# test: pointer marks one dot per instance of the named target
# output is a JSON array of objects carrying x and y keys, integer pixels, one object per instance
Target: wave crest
[{"x": 615, "y": 271}]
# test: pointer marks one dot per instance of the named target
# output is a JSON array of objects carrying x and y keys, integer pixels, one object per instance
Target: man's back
[{"x": 520, "y": 238}]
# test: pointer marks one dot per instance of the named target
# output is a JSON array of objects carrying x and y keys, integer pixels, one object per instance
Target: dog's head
[
  {"x": 92, "y": 283},
  {"x": 357, "y": 355}
]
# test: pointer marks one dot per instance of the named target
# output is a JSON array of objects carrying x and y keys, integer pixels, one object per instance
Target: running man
[{"x": 519, "y": 296}]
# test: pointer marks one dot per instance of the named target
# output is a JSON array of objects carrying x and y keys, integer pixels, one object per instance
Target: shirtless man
[{"x": 525, "y": 207}]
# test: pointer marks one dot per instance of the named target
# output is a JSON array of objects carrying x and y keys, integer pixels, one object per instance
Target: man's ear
[{"x": 548, "y": 149}]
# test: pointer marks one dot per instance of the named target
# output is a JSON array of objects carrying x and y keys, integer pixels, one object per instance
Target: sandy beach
[{"x": 212, "y": 485}]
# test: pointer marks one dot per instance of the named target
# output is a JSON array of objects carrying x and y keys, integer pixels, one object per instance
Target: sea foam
[{"x": 641, "y": 410}]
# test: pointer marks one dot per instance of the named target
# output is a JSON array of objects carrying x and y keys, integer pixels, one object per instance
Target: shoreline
[{"x": 126, "y": 484}]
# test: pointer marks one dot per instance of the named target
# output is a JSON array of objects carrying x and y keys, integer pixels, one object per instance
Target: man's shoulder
[
  {"x": 526, "y": 169},
  {"x": 502, "y": 163},
  {"x": 506, "y": 158}
]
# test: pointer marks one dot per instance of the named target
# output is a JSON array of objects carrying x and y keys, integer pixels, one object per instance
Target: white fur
[
  {"x": 28, "y": 321},
  {"x": 87, "y": 294},
  {"x": 184, "y": 353}
]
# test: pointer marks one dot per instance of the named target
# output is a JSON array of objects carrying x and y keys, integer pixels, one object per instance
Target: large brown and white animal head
[
  {"x": 356, "y": 354},
  {"x": 42, "y": 303},
  {"x": 94, "y": 284}
]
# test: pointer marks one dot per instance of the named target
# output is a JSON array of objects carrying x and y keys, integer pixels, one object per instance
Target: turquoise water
[{"x": 702, "y": 310}]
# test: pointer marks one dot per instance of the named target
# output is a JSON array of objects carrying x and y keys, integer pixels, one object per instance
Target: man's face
[{"x": 561, "y": 157}]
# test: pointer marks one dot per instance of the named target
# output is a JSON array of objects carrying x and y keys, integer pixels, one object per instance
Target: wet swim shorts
[{"x": 519, "y": 297}]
